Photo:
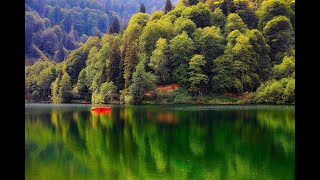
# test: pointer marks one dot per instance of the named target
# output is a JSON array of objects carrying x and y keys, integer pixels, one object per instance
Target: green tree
[
  {"x": 60, "y": 54},
  {"x": 159, "y": 61},
  {"x": 197, "y": 79},
  {"x": 285, "y": 69},
  {"x": 234, "y": 22},
  {"x": 168, "y": 6},
  {"x": 142, "y": 8},
  {"x": 245, "y": 10},
  {"x": 55, "y": 96},
  {"x": 231, "y": 38},
  {"x": 156, "y": 16},
  {"x": 130, "y": 62},
  {"x": 82, "y": 85},
  {"x": 245, "y": 65},
  {"x": 223, "y": 79},
  {"x": 199, "y": 14},
  {"x": 115, "y": 26},
  {"x": 182, "y": 24},
  {"x": 276, "y": 91},
  {"x": 107, "y": 92},
  {"x": 270, "y": 9},
  {"x": 218, "y": 18},
  {"x": 261, "y": 47},
  {"x": 141, "y": 81},
  {"x": 44, "y": 80},
  {"x": 152, "y": 32},
  {"x": 61, "y": 89},
  {"x": 113, "y": 69},
  {"x": 181, "y": 51},
  {"x": 228, "y": 7},
  {"x": 210, "y": 43},
  {"x": 65, "y": 88},
  {"x": 75, "y": 62},
  {"x": 279, "y": 35}
]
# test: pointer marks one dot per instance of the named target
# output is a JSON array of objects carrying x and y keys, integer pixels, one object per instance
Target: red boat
[{"x": 101, "y": 109}]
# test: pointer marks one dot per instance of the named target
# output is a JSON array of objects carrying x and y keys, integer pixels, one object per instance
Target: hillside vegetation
[
  {"x": 56, "y": 27},
  {"x": 211, "y": 48}
]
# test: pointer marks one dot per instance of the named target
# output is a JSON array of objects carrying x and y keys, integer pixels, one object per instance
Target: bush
[
  {"x": 128, "y": 99},
  {"x": 35, "y": 95},
  {"x": 279, "y": 92},
  {"x": 181, "y": 97}
]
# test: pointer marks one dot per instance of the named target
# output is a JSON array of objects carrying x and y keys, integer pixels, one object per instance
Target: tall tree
[
  {"x": 223, "y": 79},
  {"x": 142, "y": 8},
  {"x": 261, "y": 47},
  {"x": 114, "y": 63},
  {"x": 218, "y": 18},
  {"x": 181, "y": 51},
  {"x": 152, "y": 32},
  {"x": 199, "y": 14},
  {"x": 130, "y": 62},
  {"x": 270, "y": 9},
  {"x": 245, "y": 65},
  {"x": 234, "y": 22},
  {"x": 61, "y": 89},
  {"x": 279, "y": 35},
  {"x": 197, "y": 79},
  {"x": 210, "y": 43},
  {"x": 115, "y": 26},
  {"x": 59, "y": 54},
  {"x": 65, "y": 88},
  {"x": 159, "y": 61},
  {"x": 141, "y": 81},
  {"x": 168, "y": 6},
  {"x": 82, "y": 85}
]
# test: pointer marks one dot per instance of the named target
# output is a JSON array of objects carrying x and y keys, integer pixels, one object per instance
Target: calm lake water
[{"x": 160, "y": 142}]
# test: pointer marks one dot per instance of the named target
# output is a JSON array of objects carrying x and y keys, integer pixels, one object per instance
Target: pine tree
[
  {"x": 115, "y": 26},
  {"x": 142, "y": 8},
  {"x": 130, "y": 62},
  {"x": 114, "y": 63},
  {"x": 168, "y": 6}
]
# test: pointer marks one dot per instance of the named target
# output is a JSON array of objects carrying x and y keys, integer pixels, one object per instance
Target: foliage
[
  {"x": 273, "y": 91},
  {"x": 197, "y": 79},
  {"x": 61, "y": 89},
  {"x": 218, "y": 18},
  {"x": 141, "y": 81},
  {"x": 200, "y": 14},
  {"x": 285, "y": 69},
  {"x": 182, "y": 24},
  {"x": 234, "y": 22},
  {"x": 159, "y": 61},
  {"x": 270, "y": 9},
  {"x": 279, "y": 35},
  {"x": 115, "y": 26},
  {"x": 107, "y": 92},
  {"x": 208, "y": 47}
]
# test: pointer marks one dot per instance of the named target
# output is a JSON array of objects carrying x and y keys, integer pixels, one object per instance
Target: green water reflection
[{"x": 165, "y": 142}]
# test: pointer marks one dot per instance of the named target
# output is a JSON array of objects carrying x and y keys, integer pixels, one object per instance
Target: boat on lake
[{"x": 101, "y": 109}]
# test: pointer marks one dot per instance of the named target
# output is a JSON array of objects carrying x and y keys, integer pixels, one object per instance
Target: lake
[{"x": 68, "y": 141}]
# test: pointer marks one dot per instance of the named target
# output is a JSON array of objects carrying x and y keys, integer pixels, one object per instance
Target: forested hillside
[
  {"x": 56, "y": 27},
  {"x": 244, "y": 48}
]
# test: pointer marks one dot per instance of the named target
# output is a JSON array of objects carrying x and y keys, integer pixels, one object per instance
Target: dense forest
[
  {"x": 54, "y": 28},
  {"x": 243, "y": 50}
]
